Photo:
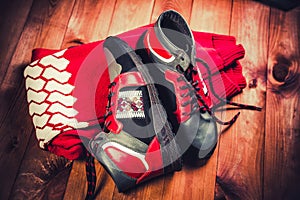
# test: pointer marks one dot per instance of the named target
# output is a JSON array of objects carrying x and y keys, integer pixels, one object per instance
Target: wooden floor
[{"x": 257, "y": 158}]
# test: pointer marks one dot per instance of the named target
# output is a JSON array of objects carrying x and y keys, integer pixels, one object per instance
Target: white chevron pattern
[
  {"x": 35, "y": 84},
  {"x": 58, "y": 118},
  {"x": 33, "y": 63},
  {"x": 66, "y": 100},
  {"x": 33, "y": 71},
  {"x": 56, "y": 86},
  {"x": 40, "y": 121},
  {"x": 58, "y": 63},
  {"x": 51, "y": 73},
  {"x": 37, "y": 108},
  {"x": 56, "y": 108},
  {"x": 60, "y": 53},
  {"x": 50, "y": 99},
  {"x": 46, "y": 134},
  {"x": 37, "y": 97}
]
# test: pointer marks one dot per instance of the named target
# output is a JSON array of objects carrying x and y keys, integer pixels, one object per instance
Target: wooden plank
[
  {"x": 42, "y": 175},
  {"x": 129, "y": 15},
  {"x": 89, "y": 22},
  {"x": 177, "y": 5},
  {"x": 204, "y": 178},
  {"x": 213, "y": 16},
  {"x": 11, "y": 27},
  {"x": 240, "y": 161},
  {"x": 77, "y": 186},
  {"x": 14, "y": 135},
  {"x": 282, "y": 139},
  {"x": 42, "y": 29}
]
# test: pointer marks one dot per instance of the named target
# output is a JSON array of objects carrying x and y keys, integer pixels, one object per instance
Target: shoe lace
[
  {"x": 108, "y": 107},
  {"x": 90, "y": 165},
  {"x": 189, "y": 92},
  {"x": 90, "y": 175},
  {"x": 211, "y": 111}
]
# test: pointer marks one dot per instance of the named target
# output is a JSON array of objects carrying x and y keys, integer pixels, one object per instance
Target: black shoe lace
[
  {"x": 90, "y": 165},
  {"x": 189, "y": 92},
  {"x": 90, "y": 175},
  {"x": 223, "y": 101},
  {"x": 108, "y": 108}
]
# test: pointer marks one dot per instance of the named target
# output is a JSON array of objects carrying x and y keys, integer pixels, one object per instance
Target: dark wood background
[{"x": 257, "y": 158}]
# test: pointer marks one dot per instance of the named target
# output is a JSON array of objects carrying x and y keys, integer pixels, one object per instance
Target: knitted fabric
[{"x": 67, "y": 89}]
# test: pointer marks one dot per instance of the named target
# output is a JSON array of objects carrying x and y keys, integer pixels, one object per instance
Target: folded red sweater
[{"x": 67, "y": 89}]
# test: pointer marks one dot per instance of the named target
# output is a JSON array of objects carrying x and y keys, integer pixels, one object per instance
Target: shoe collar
[{"x": 162, "y": 49}]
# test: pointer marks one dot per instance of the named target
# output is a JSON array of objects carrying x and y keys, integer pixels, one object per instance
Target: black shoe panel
[{"x": 120, "y": 53}]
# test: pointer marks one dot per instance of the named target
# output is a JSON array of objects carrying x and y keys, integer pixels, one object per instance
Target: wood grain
[
  {"x": 177, "y": 5},
  {"x": 11, "y": 27},
  {"x": 256, "y": 158},
  {"x": 129, "y": 15},
  {"x": 77, "y": 185},
  {"x": 240, "y": 160},
  {"x": 43, "y": 30},
  {"x": 42, "y": 175},
  {"x": 89, "y": 22},
  {"x": 282, "y": 139},
  {"x": 205, "y": 18}
]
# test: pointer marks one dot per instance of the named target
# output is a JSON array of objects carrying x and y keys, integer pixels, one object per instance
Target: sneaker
[{"x": 136, "y": 144}]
